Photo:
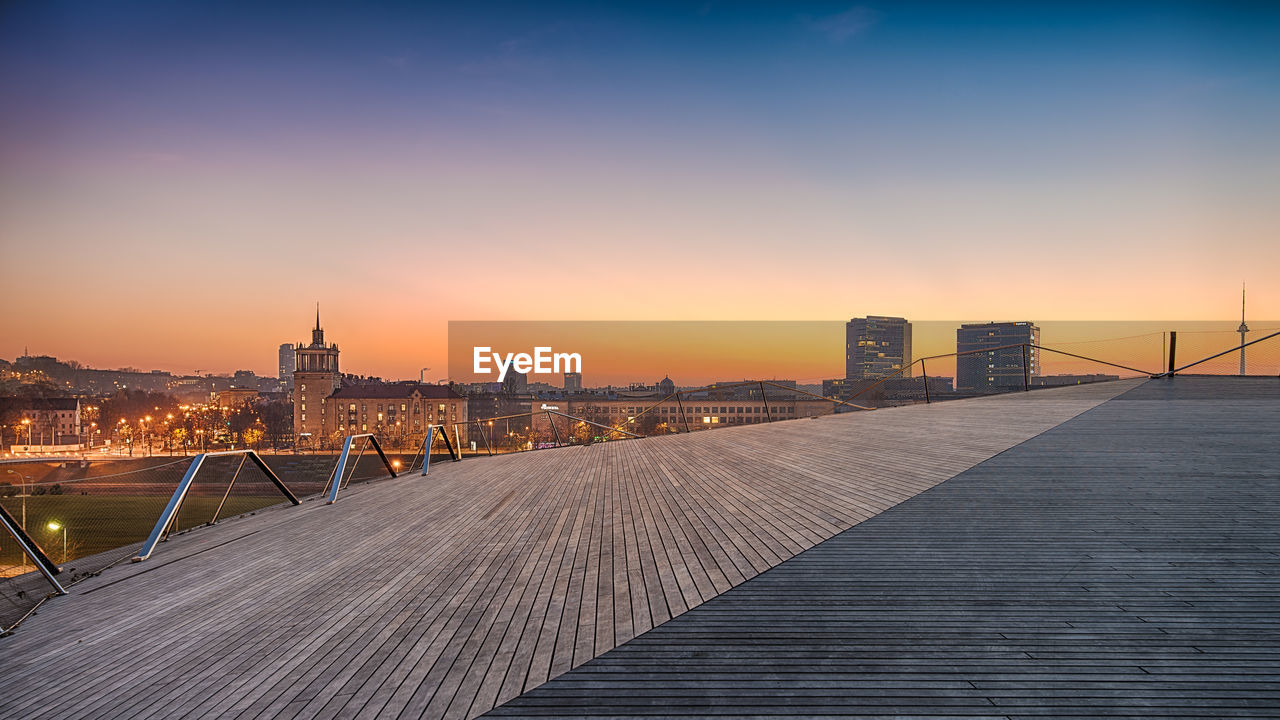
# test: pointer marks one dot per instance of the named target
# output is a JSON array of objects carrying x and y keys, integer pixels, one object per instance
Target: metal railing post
[
  {"x": 426, "y": 453},
  {"x": 32, "y": 550},
  {"x": 170, "y": 515},
  {"x": 227, "y": 494},
  {"x": 768, "y": 416},
  {"x": 1240, "y": 348},
  {"x": 340, "y": 470},
  {"x": 924, "y": 375},
  {"x": 683, "y": 419},
  {"x": 1173, "y": 346},
  {"x": 170, "y": 510},
  {"x": 484, "y": 437},
  {"x": 1026, "y": 370},
  {"x": 554, "y": 430},
  {"x": 455, "y": 453},
  {"x": 596, "y": 424}
]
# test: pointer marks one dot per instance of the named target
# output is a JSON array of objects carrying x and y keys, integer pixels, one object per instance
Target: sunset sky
[{"x": 180, "y": 183}]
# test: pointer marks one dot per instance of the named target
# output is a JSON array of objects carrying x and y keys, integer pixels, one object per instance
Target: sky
[{"x": 180, "y": 183}]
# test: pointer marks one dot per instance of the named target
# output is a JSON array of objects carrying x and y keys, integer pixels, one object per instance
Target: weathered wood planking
[
  {"x": 1123, "y": 564},
  {"x": 442, "y": 597}
]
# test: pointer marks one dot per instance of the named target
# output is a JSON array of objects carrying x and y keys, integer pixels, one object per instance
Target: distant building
[
  {"x": 990, "y": 356},
  {"x": 399, "y": 411},
  {"x": 245, "y": 379},
  {"x": 235, "y": 397},
  {"x": 876, "y": 346},
  {"x": 484, "y": 405},
  {"x": 50, "y": 421},
  {"x": 287, "y": 364},
  {"x": 328, "y": 406},
  {"x": 516, "y": 383},
  {"x": 666, "y": 386},
  {"x": 1065, "y": 380},
  {"x": 573, "y": 382},
  {"x": 888, "y": 392},
  {"x": 315, "y": 378},
  {"x": 697, "y": 410}
]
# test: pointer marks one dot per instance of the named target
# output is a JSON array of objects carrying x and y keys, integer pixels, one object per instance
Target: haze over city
[{"x": 180, "y": 182}]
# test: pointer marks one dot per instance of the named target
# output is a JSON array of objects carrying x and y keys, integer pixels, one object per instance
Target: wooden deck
[
  {"x": 445, "y": 596},
  {"x": 1123, "y": 564}
]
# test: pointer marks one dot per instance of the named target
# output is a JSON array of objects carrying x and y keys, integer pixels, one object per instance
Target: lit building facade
[
  {"x": 397, "y": 412},
  {"x": 986, "y": 363},
  {"x": 315, "y": 378},
  {"x": 326, "y": 409},
  {"x": 876, "y": 346}
]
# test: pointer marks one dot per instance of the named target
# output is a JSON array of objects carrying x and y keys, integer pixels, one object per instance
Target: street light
[
  {"x": 55, "y": 526},
  {"x": 27, "y": 422}
]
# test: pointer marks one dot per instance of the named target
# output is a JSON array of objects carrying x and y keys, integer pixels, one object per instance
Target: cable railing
[
  {"x": 86, "y": 515},
  {"x": 1266, "y": 363},
  {"x": 184, "y": 496},
  {"x": 592, "y": 420}
]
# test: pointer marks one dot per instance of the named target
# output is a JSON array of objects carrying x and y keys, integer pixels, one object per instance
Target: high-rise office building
[
  {"x": 991, "y": 356},
  {"x": 573, "y": 382},
  {"x": 287, "y": 364},
  {"x": 876, "y": 346}
]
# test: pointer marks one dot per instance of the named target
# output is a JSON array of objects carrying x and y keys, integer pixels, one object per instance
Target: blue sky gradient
[{"x": 1096, "y": 160}]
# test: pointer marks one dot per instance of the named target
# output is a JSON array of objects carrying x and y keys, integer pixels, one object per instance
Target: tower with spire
[
  {"x": 1243, "y": 329},
  {"x": 315, "y": 378}
]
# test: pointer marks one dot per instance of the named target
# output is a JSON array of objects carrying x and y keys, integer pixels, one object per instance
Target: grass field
[
  {"x": 115, "y": 504},
  {"x": 98, "y": 523}
]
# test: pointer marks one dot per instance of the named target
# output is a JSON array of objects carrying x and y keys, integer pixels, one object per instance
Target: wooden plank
[
  {"x": 440, "y": 597},
  {"x": 1125, "y": 563}
]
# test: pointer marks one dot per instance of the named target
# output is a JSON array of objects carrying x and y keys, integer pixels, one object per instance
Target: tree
[
  {"x": 582, "y": 432},
  {"x": 277, "y": 421},
  {"x": 240, "y": 420},
  {"x": 252, "y": 437},
  {"x": 179, "y": 436}
]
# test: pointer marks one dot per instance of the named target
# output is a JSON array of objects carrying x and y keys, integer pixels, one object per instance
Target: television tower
[{"x": 1242, "y": 329}]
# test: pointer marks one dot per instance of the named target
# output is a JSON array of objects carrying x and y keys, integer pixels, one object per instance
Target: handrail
[
  {"x": 596, "y": 424},
  {"x": 429, "y": 441},
  {"x": 1100, "y": 362},
  {"x": 32, "y": 550},
  {"x": 170, "y": 513},
  {"x": 341, "y": 468},
  {"x": 815, "y": 395},
  {"x": 1011, "y": 346},
  {"x": 890, "y": 376},
  {"x": 1218, "y": 355}
]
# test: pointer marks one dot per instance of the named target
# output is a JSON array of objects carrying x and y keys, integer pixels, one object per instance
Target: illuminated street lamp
[
  {"x": 55, "y": 526},
  {"x": 27, "y": 422}
]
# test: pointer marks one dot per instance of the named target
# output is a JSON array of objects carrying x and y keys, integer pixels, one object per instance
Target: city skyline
[
  {"x": 177, "y": 180},
  {"x": 702, "y": 352}
]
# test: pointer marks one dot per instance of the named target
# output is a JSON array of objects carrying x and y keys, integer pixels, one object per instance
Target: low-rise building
[{"x": 41, "y": 421}]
